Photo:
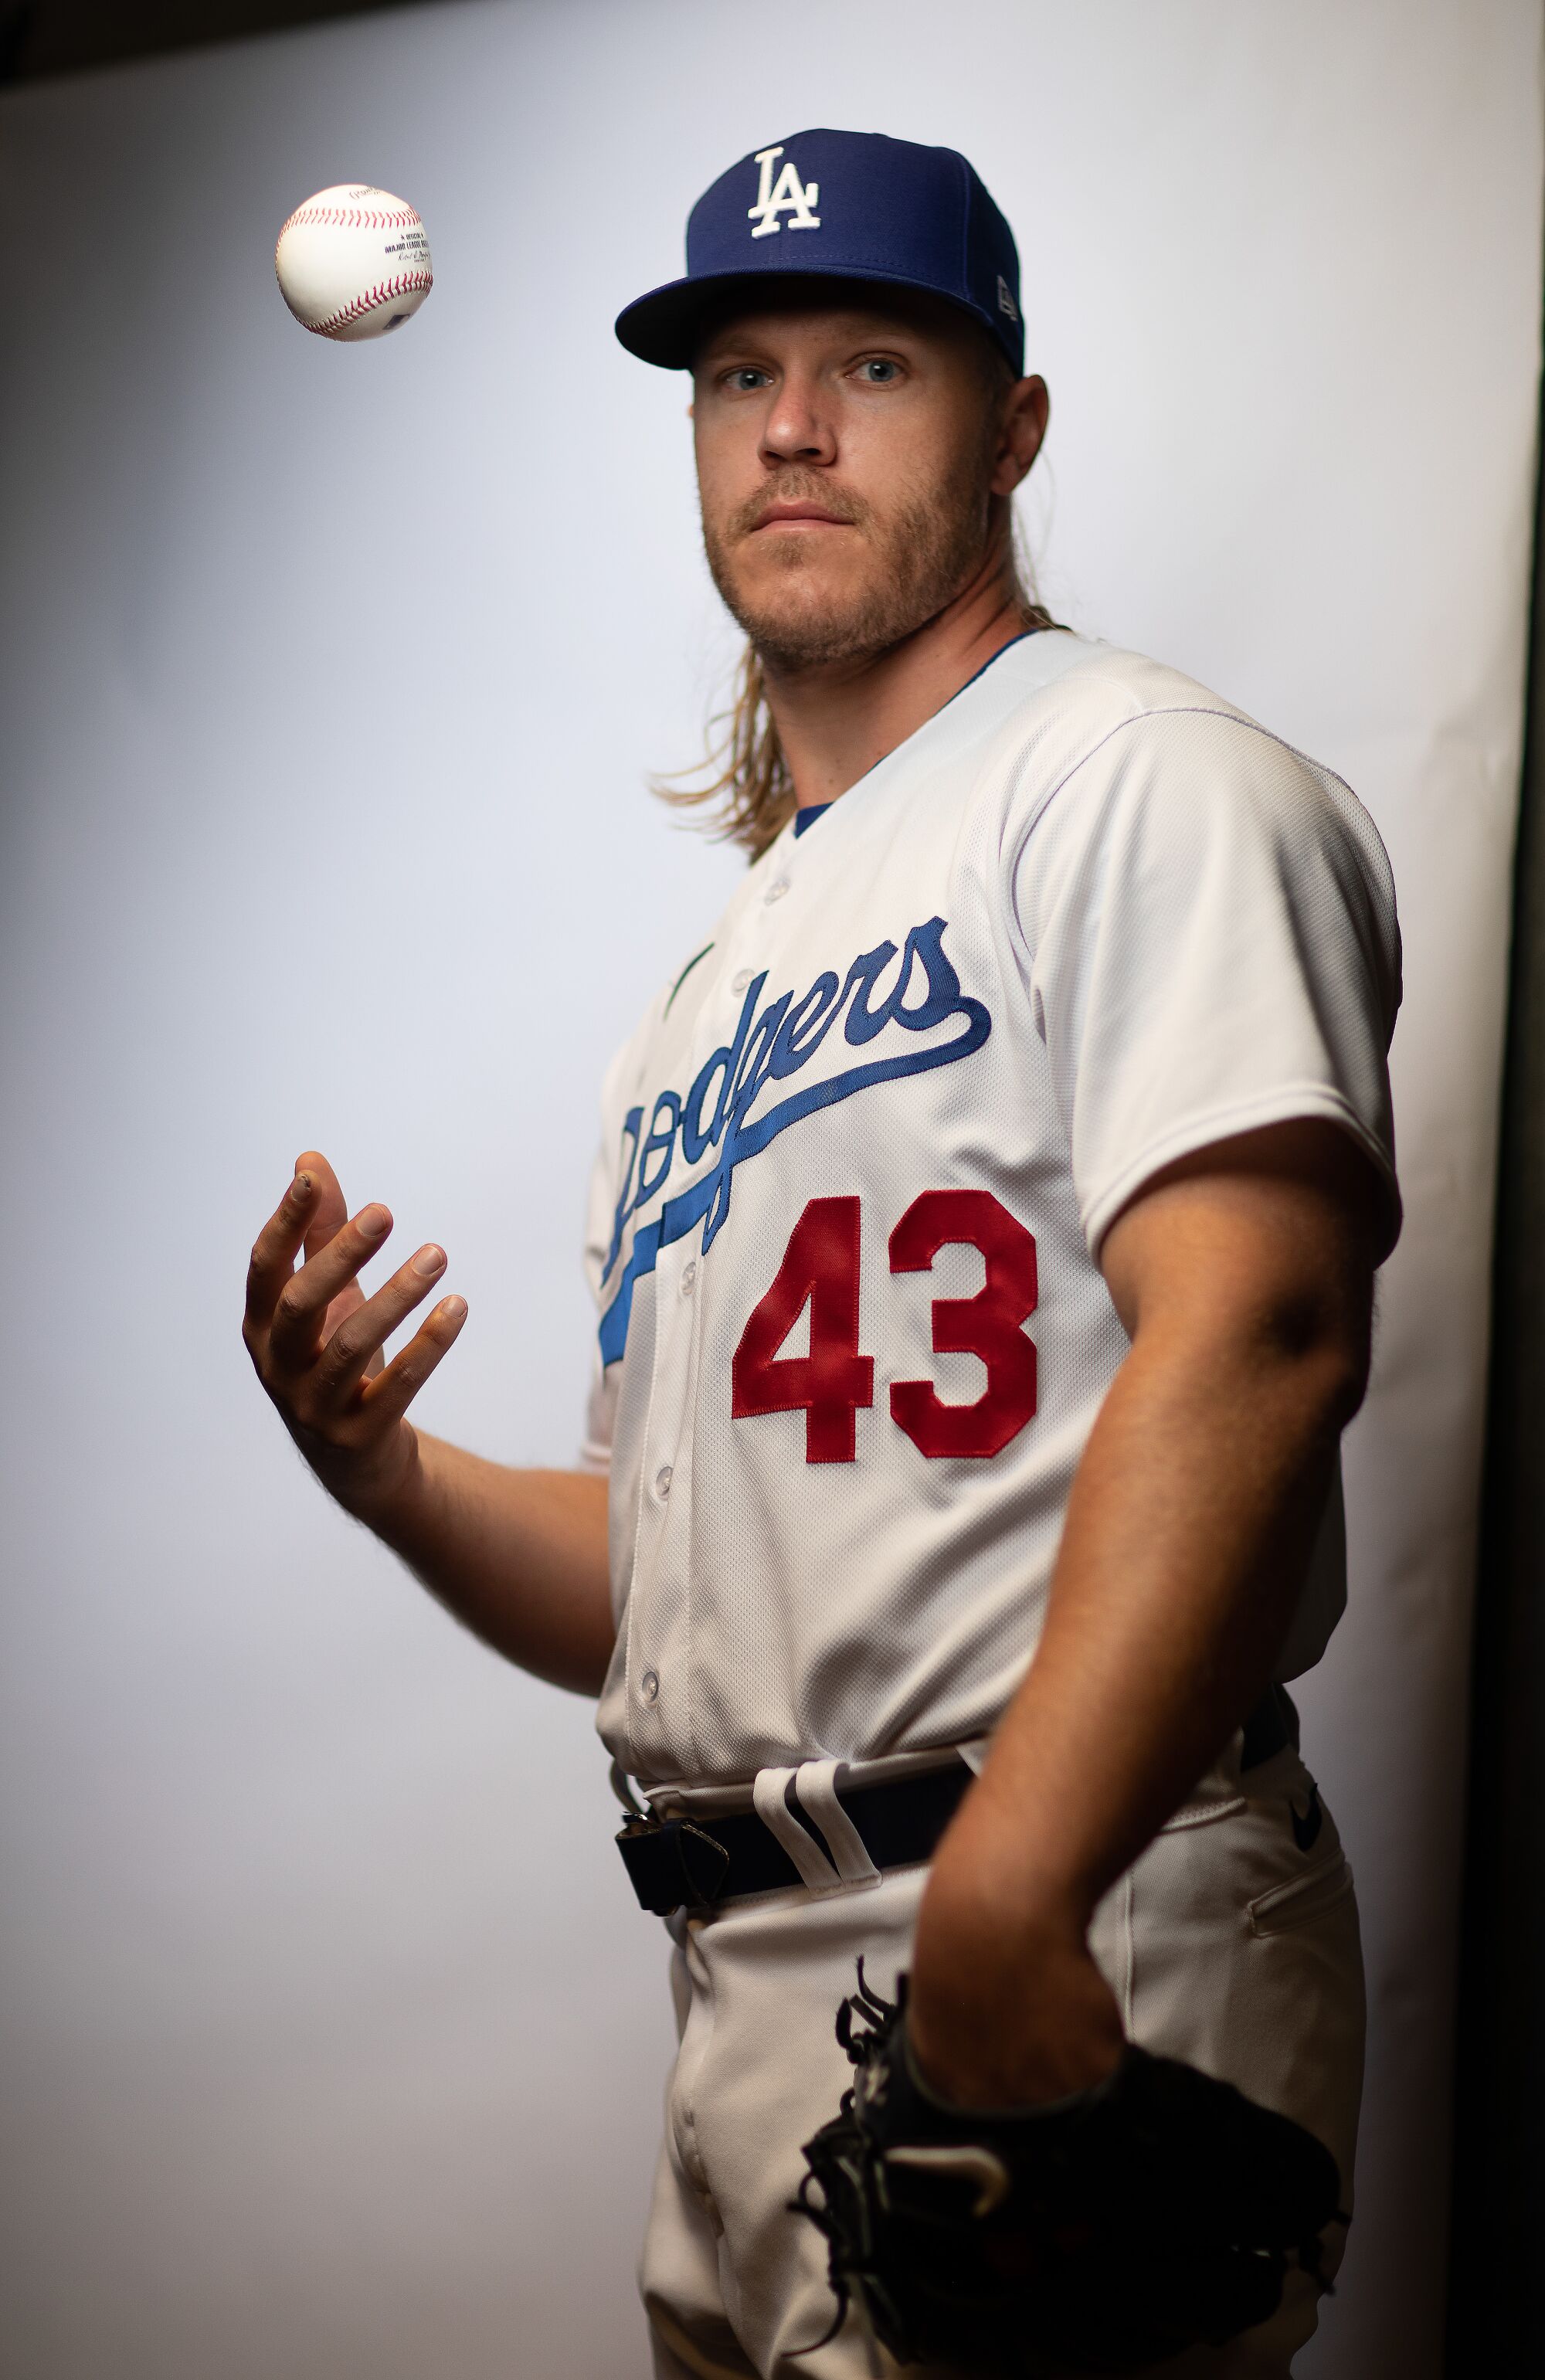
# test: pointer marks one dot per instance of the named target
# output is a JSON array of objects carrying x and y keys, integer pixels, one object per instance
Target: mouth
[{"x": 800, "y": 517}]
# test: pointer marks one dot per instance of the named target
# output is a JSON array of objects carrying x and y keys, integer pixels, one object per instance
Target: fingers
[
  {"x": 300, "y": 1309},
  {"x": 358, "y": 1337},
  {"x": 310, "y": 1212},
  {"x": 273, "y": 1250},
  {"x": 387, "y": 1397},
  {"x": 350, "y": 1429},
  {"x": 327, "y": 1211}
]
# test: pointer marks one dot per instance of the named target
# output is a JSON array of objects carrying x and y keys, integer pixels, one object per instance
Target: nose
[{"x": 799, "y": 426}]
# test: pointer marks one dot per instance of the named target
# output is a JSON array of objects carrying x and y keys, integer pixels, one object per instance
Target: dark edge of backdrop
[
  {"x": 1496, "y": 2303},
  {"x": 43, "y": 38}
]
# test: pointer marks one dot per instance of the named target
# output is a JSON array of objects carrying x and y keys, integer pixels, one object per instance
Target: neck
[{"x": 836, "y": 720}]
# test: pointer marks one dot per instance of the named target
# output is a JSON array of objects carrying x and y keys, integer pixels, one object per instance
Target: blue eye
[
  {"x": 878, "y": 370},
  {"x": 747, "y": 377}
]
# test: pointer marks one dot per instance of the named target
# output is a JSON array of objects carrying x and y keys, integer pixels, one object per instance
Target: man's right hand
[{"x": 316, "y": 1339}]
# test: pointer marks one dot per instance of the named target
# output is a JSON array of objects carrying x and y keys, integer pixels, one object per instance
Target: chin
[{"x": 796, "y": 624}]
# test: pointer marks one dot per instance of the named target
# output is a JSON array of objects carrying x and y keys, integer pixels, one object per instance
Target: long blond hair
[{"x": 747, "y": 796}]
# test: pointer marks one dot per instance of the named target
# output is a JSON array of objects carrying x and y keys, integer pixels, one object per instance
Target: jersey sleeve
[
  {"x": 595, "y": 1446},
  {"x": 1208, "y": 923}
]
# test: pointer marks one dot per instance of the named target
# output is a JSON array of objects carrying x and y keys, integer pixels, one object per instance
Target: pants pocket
[{"x": 1302, "y": 1898}]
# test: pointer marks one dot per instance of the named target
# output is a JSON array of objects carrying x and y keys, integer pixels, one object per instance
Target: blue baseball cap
[{"x": 856, "y": 205}]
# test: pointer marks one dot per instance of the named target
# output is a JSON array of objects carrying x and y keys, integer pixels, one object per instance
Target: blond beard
[{"x": 924, "y": 554}]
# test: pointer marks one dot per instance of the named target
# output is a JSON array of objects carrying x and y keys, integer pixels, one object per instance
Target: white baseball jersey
[{"x": 856, "y": 1167}]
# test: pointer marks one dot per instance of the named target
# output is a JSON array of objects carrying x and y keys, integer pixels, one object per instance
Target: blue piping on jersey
[{"x": 682, "y": 978}]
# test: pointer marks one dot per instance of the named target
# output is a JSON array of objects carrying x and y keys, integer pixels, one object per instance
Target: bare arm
[
  {"x": 519, "y": 1556},
  {"x": 1244, "y": 1279}
]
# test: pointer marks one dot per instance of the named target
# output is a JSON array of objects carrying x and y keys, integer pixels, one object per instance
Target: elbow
[
  {"x": 1327, "y": 1348},
  {"x": 1345, "y": 1383}
]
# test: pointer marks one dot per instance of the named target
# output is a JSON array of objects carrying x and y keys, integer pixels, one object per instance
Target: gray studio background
[{"x": 328, "y": 677}]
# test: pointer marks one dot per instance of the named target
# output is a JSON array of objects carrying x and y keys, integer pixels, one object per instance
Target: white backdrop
[{"x": 332, "y": 2041}]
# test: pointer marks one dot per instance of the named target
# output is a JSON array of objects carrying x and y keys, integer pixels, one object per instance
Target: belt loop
[
  {"x": 816, "y": 1871},
  {"x": 815, "y": 1783},
  {"x": 815, "y": 1788}
]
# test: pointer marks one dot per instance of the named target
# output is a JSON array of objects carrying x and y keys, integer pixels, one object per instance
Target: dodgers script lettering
[{"x": 773, "y": 1041}]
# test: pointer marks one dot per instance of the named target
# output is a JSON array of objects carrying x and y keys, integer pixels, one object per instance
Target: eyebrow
[{"x": 855, "y": 329}]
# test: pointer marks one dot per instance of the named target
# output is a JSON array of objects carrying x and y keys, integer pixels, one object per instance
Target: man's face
[{"x": 849, "y": 452}]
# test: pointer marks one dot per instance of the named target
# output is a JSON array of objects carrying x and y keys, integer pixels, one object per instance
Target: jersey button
[
  {"x": 742, "y": 981},
  {"x": 662, "y": 1479},
  {"x": 776, "y": 891},
  {"x": 688, "y": 1275},
  {"x": 649, "y": 1686}
]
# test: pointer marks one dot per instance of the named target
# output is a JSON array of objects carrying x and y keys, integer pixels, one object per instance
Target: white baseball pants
[{"x": 1226, "y": 1944}]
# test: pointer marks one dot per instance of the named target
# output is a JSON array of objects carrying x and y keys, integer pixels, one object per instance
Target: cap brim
[{"x": 662, "y": 328}]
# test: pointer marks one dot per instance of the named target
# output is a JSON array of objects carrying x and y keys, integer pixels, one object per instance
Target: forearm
[
  {"x": 1187, "y": 1532},
  {"x": 1244, "y": 1280},
  {"x": 1188, "y": 1535},
  {"x": 519, "y": 1556}
]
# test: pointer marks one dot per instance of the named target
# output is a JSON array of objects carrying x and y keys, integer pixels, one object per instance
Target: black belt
[{"x": 696, "y": 1862}]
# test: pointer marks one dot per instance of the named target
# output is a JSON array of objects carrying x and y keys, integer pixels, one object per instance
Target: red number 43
[{"x": 821, "y": 1269}]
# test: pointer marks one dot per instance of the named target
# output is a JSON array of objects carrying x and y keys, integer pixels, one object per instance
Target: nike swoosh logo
[{"x": 1307, "y": 1826}]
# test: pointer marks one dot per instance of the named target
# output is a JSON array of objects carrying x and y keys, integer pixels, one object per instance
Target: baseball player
[{"x": 983, "y": 1239}]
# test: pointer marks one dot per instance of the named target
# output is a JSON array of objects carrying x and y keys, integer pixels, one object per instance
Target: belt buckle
[{"x": 673, "y": 1864}]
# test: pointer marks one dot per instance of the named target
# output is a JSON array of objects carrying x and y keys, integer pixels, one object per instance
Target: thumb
[{"x": 328, "y": 1213}]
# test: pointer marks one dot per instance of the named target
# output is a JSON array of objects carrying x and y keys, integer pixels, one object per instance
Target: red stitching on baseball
[
  {"x": 351, "y": 219},
  {"x": 369, "y": 299}
]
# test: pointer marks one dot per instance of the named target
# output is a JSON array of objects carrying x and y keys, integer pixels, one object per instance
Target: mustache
[{"x": 797, "y": 487}]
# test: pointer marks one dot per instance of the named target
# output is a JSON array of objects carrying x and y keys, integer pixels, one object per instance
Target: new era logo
[
  {"x": 1006, "y": 300},
  {"x": 786, "y": 196}
]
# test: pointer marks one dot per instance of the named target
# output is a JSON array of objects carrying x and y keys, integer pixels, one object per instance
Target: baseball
[{"x": 353, "y": 262}]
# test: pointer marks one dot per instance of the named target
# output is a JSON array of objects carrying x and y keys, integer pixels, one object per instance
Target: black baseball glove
[{"x": 1155, "y": 2212}]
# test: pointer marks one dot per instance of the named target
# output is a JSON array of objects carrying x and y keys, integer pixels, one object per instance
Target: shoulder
[
  {"x": 1066, "y": 693},
  {"x": 1091, "y": 701},
  {"x": 1116, "y": 739}
]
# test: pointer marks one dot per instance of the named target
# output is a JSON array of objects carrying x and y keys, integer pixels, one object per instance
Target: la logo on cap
[{"x": 787, "y": 196}]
